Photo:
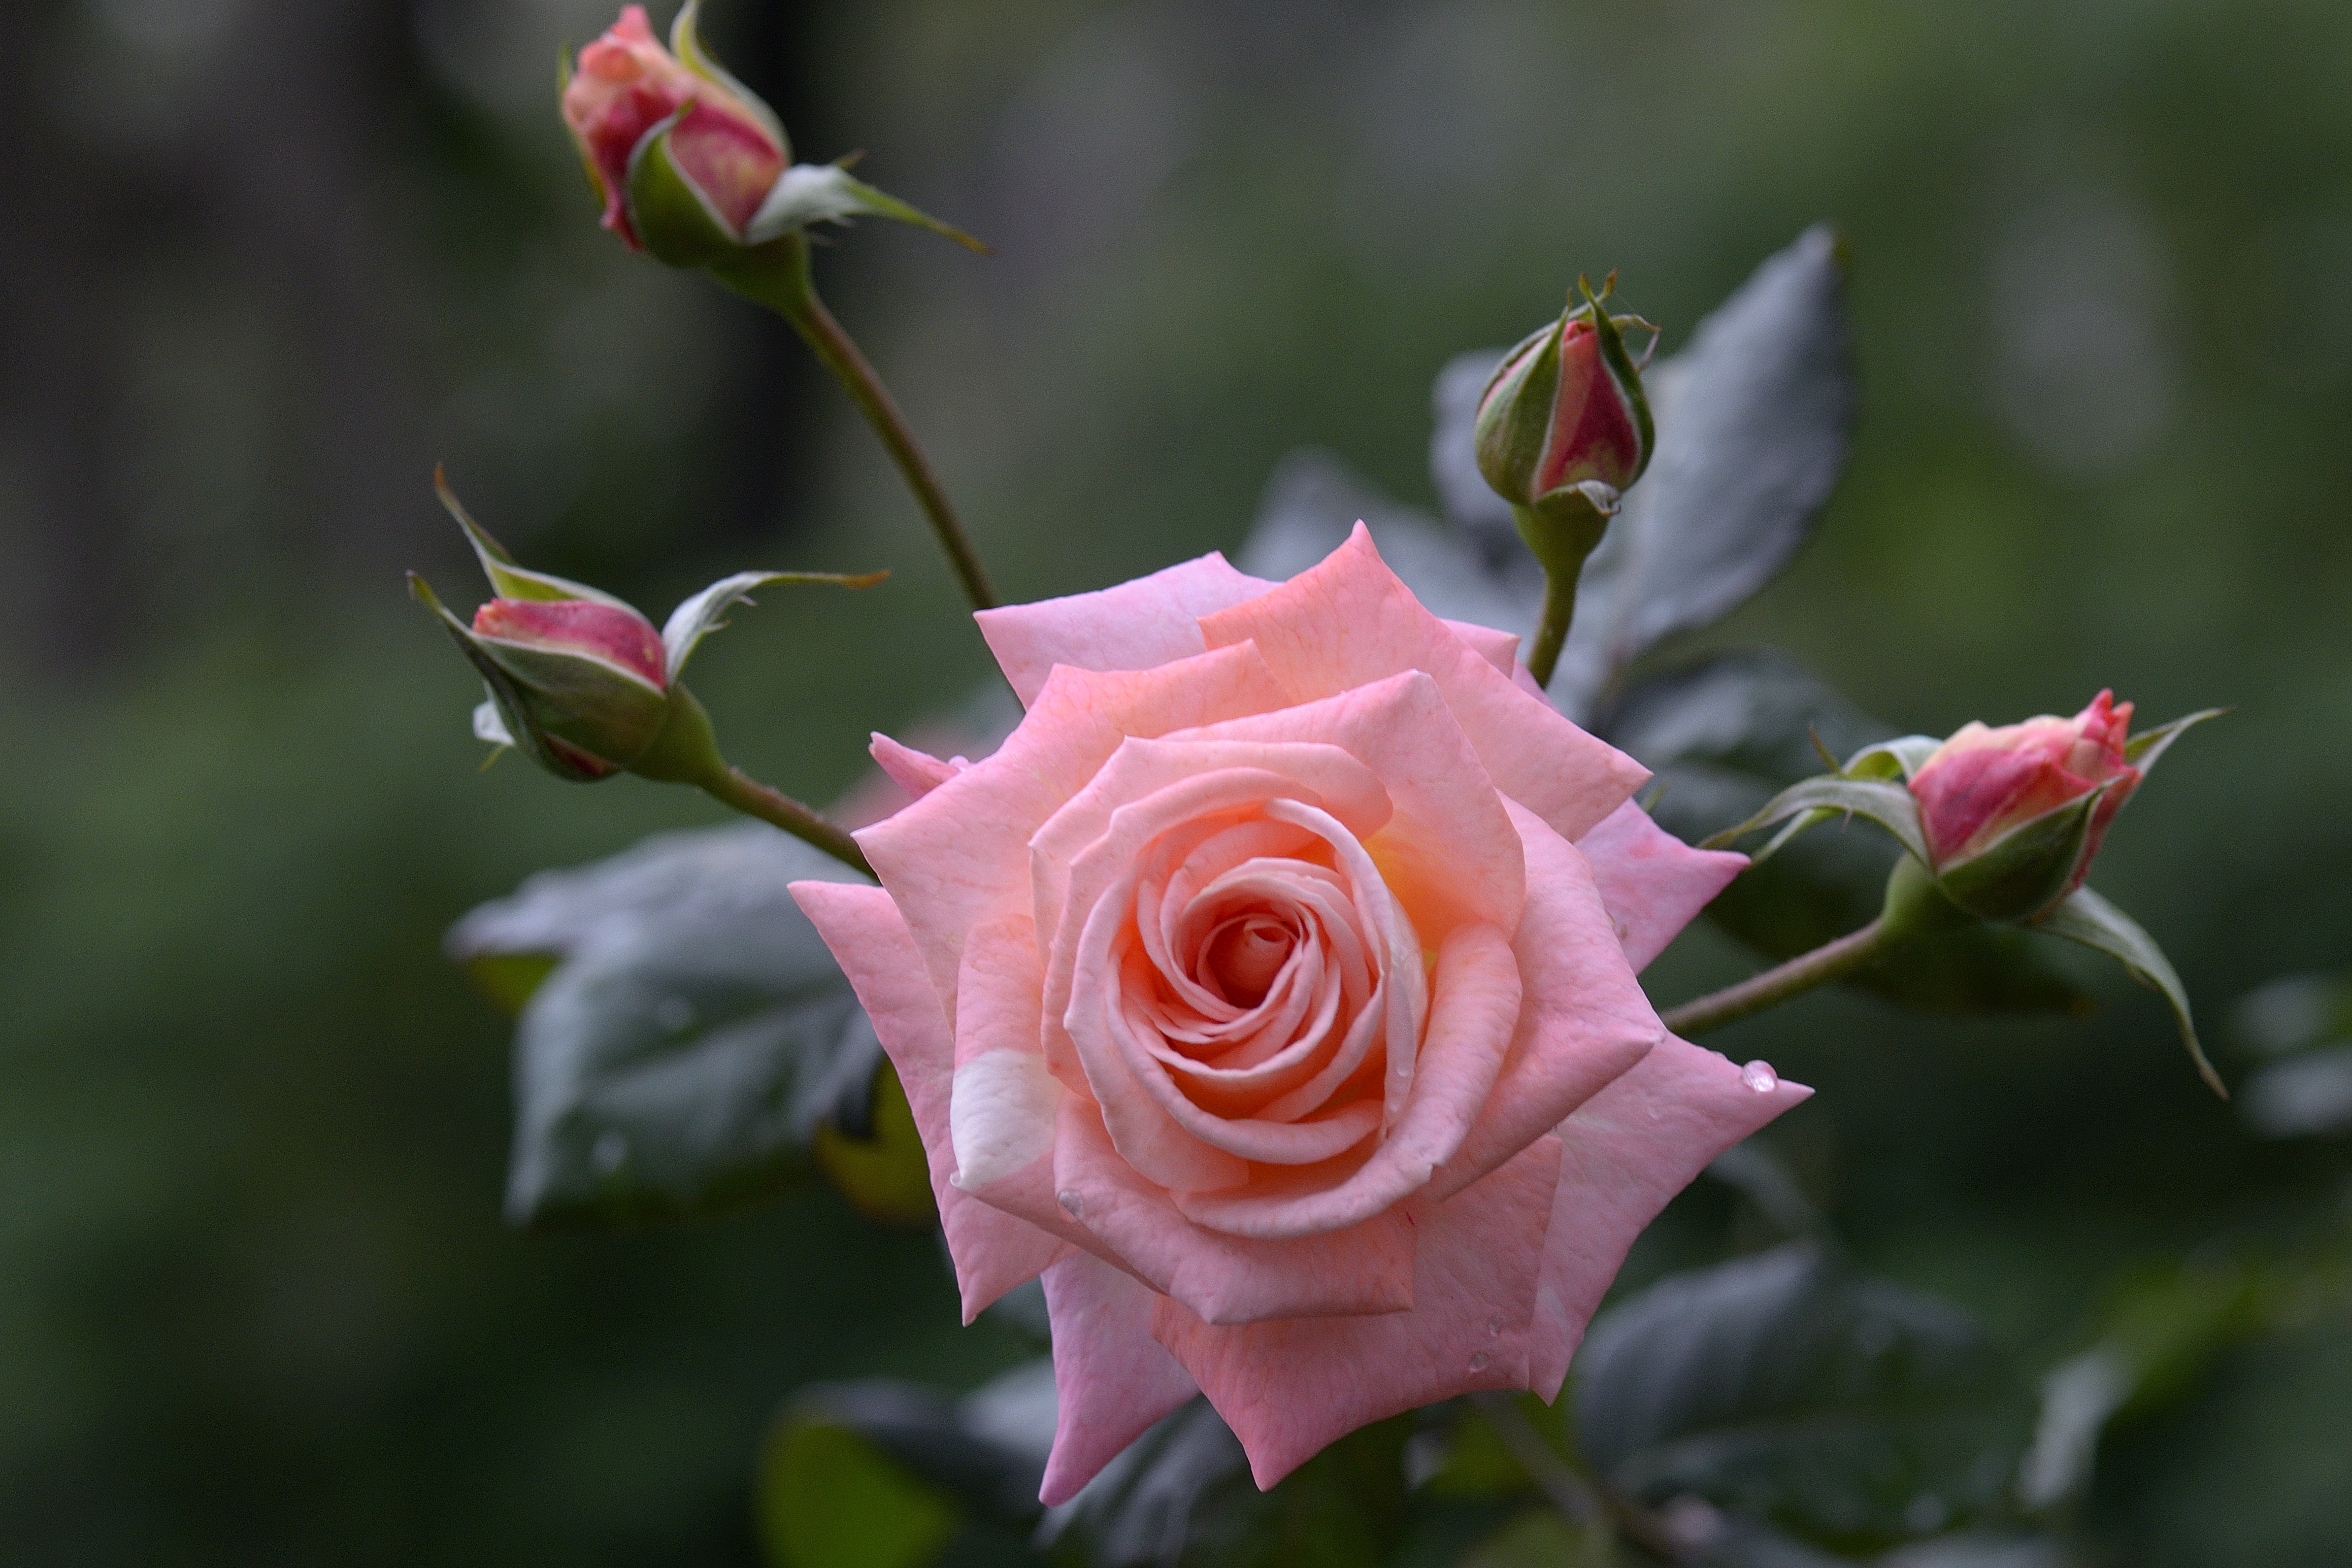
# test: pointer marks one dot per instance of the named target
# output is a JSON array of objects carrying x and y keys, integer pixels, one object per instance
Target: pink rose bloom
[
  {"x": 626, "y": 84},
  {"x": 1983, "y": 784},
  {"x": 1271, "y": 991}
]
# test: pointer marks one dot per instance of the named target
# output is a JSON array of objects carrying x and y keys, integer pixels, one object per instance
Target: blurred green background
[{"x": 264, "y": 262}]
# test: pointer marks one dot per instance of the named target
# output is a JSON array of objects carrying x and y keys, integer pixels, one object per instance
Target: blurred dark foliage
[{"x": 262, "y": 264}]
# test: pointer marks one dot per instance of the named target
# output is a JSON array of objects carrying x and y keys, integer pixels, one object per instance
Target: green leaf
[
  {"x": 830, "y": 1499},
  {"x": 1788, "y": 1390},
  {"x": 1541, "y": 1538},
  {"x": 2087, "y": 918},
  {"x": 1901, "y": 757},
  {"x": 2143, "y": 750},
  {"x": 509, "y": 580},
  {"x": 699, "y": 616},
  {"x": 691, "y": 1036},
  {"x": 1724, "y": 733},
  {"x": 809, "y": 193},
  {"x": 675, "y": 220},
  {"x": 1822, "y": 799}
]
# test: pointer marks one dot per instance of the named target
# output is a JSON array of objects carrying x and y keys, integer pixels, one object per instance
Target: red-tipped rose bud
[
  {"x": 2013, "y": 815},
  {"x": 728, "y": 147},
  {"x": 1565, "y": 412}
]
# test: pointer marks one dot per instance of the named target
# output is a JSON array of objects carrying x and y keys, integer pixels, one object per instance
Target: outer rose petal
[
  {"x": 1629, "y": 1149},
  {"x": 1350, "y": 620},
  {"x": 916, "y": 772},
  {"x": 1652, "y": 881},
  {"x": 1224, "y": 1278},
  {"x": 1584, "y": 1021},
  {"x": 1500, "y": 649},
  {"x": 960, "y": 856},
  {"x": 994, "y": 1252},
  {"x": 1289, "y": 1387},
  {"x": 1111, "y": 1379},
  {"x": 1151, "y": 620}
]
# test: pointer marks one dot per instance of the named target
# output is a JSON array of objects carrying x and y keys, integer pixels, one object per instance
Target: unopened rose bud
[
  {"x": 1565, "y": 414},
  {"x": 2013, "y": 815},
  {"x": 726, "y": 147}
]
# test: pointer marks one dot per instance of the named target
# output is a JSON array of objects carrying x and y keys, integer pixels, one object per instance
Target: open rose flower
[{"x": 1271, "y": 991}]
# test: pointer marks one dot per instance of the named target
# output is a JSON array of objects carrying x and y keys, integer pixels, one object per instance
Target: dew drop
[
  {"x": 1480, "y": 1361},
  {"x": 1494, "y": 1325},
  {"x": 1071, "y": 1202},
  {"x": 608, "y": 1151},
  {"x": 1759, "y": 1076}
]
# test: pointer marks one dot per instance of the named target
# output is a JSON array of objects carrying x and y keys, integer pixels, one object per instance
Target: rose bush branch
[
  {"x": 585, "y": 686},
  {"x": 695, "y": 172},
  {"x": 1998, "y": 825}
]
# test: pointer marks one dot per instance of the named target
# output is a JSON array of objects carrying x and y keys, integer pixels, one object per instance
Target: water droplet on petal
[
  {"x": 1494, "y": 1325},
  {"x": 1071, "y": 1202},
  {"x": 608, "y": 1151},
  {"x": 1759, "y": 1076},
  {"x": 1480, "y": 1361}
]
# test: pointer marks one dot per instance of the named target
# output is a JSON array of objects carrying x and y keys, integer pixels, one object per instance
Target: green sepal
[
  {"x": 686, "y": 43},
  {"x": 699, "y": 616},
  {"x": 509, "y": 580},
  {"x": 579, "y": 716},
  {"x": 1812, "y": 801},
  {"x": 1621, "y": 370},
  {"x": 1514, "y": 414},
  {"x": 2143, "y": 749},
  {"x": 2031, "y": 867},
  {"x": 1901, "y": 757},
  {"x": 684, "y": 748},
  {"x": 2086, "y": 917},
  {"x": 674, "y": 220},
  {"x": 808, "y": 194}
]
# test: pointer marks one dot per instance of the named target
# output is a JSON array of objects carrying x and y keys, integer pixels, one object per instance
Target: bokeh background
[{"x": 264, "y": 262}]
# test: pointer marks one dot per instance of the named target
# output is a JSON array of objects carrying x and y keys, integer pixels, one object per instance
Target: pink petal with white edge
[
  {"x": 1585, "y": 1020},
  {"x": 1629, "y": 1149},
  {"x": 1111, "y": 1379},
  {"x": 1138, "y": 625},
  {"x": 1289, "y": 1388},
  {"x": 994, "y": 1252},
  {"x": 1652, "y": 882},
  {"x": 1224, "y": 1278},
  {"x": 1348, "y": 621},
  {"x": 960, "y": 856}
]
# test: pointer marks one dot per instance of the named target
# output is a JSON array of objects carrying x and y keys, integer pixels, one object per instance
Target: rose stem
[
  {"x": 841, "y": 356},
  {"x": 746, "y": 794},
  {"x": 1776, "y": 984},
  {"x": 1551, "y": 633}
]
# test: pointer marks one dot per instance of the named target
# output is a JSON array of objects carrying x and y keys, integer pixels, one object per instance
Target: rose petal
[
  {"x": 1224, "y": 1278},
  {"x": 1474, "y": 1009},
  {"x": 1288, "y": 1388},
  {"x": 1500, "y": 649},
  {"x": 1449, "y": 852},
  {"x": 1001, "y": 1114},
  {"x": 1138, "y": 625},
  {"x": 994, "y": 1252},
  {"x": 916, "y": 772},
  {"x": 960, "y": 856},
  {"x": 1629, "y": 1149},
  {"x": 1111, "y": 1379},
  {"x": 1349, "y": 622},
  {"x": 1652, "y": 882},
  {"x": 1584, "y": 1020}
]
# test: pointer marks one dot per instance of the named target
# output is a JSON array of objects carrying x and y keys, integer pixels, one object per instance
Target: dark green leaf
[
  {"x": 1724, "y": 733},
  {"x": 1786, "y": 1389},
  {"x": 828, "y": 1498},
  {"x": 692, "y": 1036},
  {"x": 1541, "y": 1538},
  {"x": 2087, "y": 918}
]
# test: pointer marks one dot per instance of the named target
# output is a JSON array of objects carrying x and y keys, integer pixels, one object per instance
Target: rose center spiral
[{"x": 1243, "y": 955}]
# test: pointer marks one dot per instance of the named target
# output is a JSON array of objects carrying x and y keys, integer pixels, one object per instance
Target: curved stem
[
  {"x": 1776, "y": 984},
  {"x": 1551, "y": 633},
  {"x": 842, "y": 356},
  {"x": 746, "y": 794}
]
